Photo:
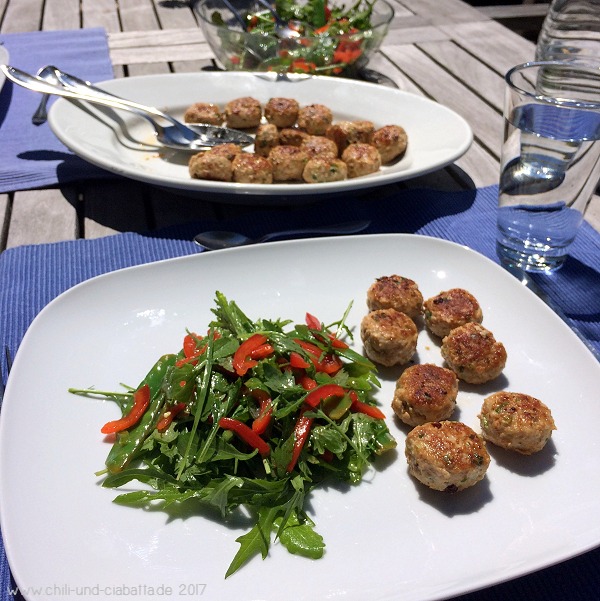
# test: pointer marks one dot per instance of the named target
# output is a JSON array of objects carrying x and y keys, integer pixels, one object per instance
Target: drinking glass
[{"x": 550, "y": 162}]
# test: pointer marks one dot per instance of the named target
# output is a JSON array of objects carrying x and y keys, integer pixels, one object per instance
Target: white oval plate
[
  {"x": 437, "y": 136},
  {"x": 388, "y": 538}
]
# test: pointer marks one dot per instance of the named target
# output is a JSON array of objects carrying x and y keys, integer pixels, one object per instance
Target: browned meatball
[
  {"x": 204, "y": 112},
  {"x": 243, "y": 113},
  {"x": 267, "y": 137},
  {"x": 229, "y": 151},
  {"x": 451, "y": 309},
  {"x": 389, "y": 337},
  {"x": 319, "y": 146},
  {"x": 207, "y": 165},
  {"x": 345, "y": 133},
  {"x": 290, "y": 136},
  {"x": 447, "y": 456},
  {"x": 288, "y": 163},
  {"x": 282, "y": 112},
  {"x": 324, "y": 169},
  {"x": 425, "y": 393},
  {"x": 516, "y": 421},
  {"x": 473, "y": 354},
  {"x": 395, "y": 291},
  {"x": 315, "y": 119},
  {"x": 252, "y": 169},
  {"x": 391, "y": 141},
  {"x": 361, "y": 159}
]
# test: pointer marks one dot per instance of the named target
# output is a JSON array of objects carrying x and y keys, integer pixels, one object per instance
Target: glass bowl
[{"x": 243, "y": 35}]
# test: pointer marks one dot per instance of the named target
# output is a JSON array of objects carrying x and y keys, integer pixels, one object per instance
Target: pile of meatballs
[
  {"x": 292, "y": 144},
  {"x": 443, "y": 454}
]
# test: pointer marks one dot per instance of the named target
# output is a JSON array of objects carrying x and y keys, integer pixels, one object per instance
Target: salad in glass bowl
[{"x": 287, "y": 36}]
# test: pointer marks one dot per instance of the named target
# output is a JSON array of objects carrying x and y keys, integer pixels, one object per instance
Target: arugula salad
[
  {"x": 252, "y": 415},
  {"x": 333, "y": 38}
]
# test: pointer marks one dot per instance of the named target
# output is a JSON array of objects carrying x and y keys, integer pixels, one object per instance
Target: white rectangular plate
[{"x": 388, "y": 538}]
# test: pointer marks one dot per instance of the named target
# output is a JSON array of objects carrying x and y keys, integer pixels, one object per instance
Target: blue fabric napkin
[
  {"x": 32, "y": 156},
  {"x": 31, "y": 276}
]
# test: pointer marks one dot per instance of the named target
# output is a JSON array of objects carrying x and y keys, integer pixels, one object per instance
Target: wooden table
[{"x": 447, "y": 51}]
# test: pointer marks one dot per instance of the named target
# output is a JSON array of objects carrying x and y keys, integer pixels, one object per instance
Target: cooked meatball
[
  {"x": 345, "y": 133},
  {"x": 391, "y": 141},
  {"x": 267, "y": 137},
  {"x": 319, "y": 146},
  {"x": 451, "y": 309},
  {"x": 292, "y": 137},
  {"x": 389, "y": 336},
  {"x": 252, "y": 169},
  {"x": 425, "y": 393},
  {"x": 361, "y": 159},
  {"x": 473, "y": 354},
  {"x": 288, "y": 163},
  {"x": 395, "y": 291},
  {"x": 229, "y": 151},
  {"x": 243, "y": 113},
  {"x": 315, "y": 119},
  {"x": 208, "y": 165},
  {"x": 282, "y": 112},
  {"x": 516, "y": 421},
  {"x": 324, "y": 169},
  {"x": 447, "y": 456},
  {"x": 203, "y": 112}
]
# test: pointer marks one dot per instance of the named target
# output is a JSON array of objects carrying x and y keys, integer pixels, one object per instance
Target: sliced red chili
[
  {"x": 370, "y": 410},
  {"x": 141, "y": 400},
  {"x": 169, "y": 415},
  {"x": 301, "y": 434},
  {"x": 262, "y": 351},
  {"x": 246, "y": 434},
  {"x": 242, "y": 360},
  {"x": 190, "y": 344},
  {"x": 307, "y": 382},
  {"x": 317, "y": 395}
]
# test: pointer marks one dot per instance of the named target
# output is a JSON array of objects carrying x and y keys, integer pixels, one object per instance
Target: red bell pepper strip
[
  {"x": 246, "y": 434},
  {"x": 307, "y": 382},
  {"x": 189, "y": 345},
  {"x": 312, "y": 322},
  {"x": 301, "y": 433},
  {"x": 329, "y": 364},
  {"x": 296, "y": 360},
  {"x": 370, "y": 410},
  {"x": 141, "y": 400},
  {"x": 167, "y": 418},
  {"x": 262, "y": 421},
  {"x": 317, "y": 395},
  {"x": 242, "y": 360},
  {"x": 262, "y": 351}
]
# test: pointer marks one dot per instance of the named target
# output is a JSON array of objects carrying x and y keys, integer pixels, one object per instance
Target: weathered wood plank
[
  {"x": 24, "y": 15},
  {"x": 494, "y": 45},
  {"x": 61, "y": 14},
  {"x": 439, "y": 84},
  {"x": 100, "y": 13},
  {"x": 445, "y": 12},
  {"x": 40, "y": 216}
]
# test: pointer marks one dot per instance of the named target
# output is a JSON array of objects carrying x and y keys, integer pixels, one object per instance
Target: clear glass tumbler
[{"x": 550, "y": 161}]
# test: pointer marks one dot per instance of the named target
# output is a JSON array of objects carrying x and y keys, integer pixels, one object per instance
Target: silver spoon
[
  {"x": 41, "y": 113},
  {"x": 177, "y": 135},
  {"x": 217, "y": 240}
]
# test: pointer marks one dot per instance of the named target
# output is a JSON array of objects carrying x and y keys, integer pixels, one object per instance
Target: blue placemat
[
  {"x": 31, "y": 276},
  {"x": 32, "y": 156}
]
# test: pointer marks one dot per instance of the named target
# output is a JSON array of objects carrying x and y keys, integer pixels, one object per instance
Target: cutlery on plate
[
  {"x": 217, "y": 240},
  {"x": 41, "y": 113},
  {"x": 176, "y": 135}
]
